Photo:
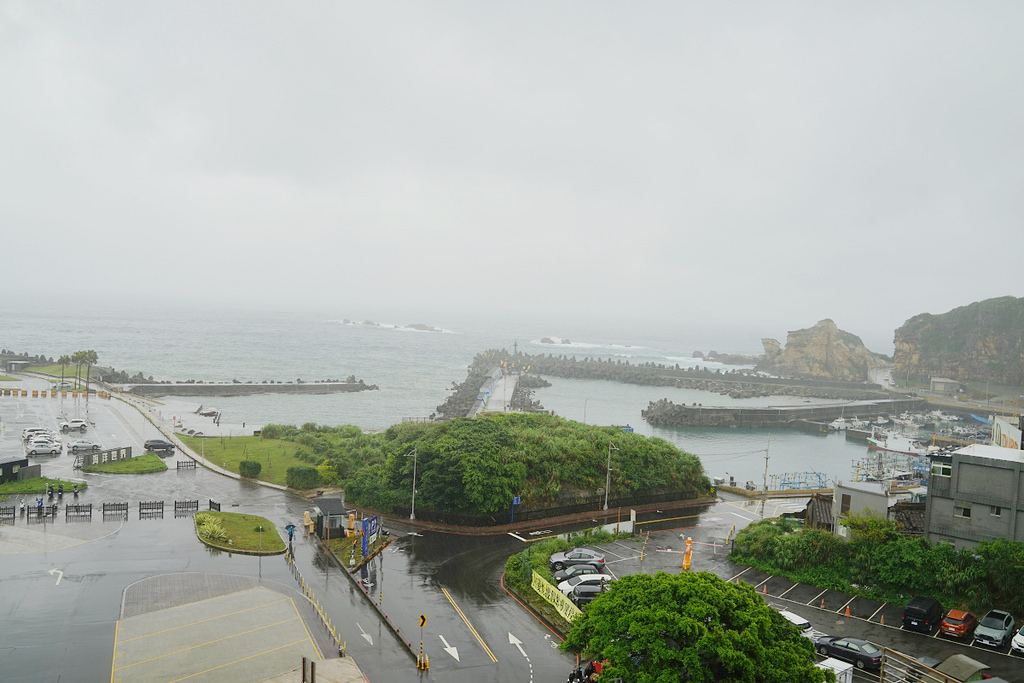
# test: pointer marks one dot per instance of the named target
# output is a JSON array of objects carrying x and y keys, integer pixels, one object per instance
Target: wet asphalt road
[{"x": 61, "y": 583}]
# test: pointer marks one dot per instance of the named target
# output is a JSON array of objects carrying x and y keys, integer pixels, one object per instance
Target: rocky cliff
[
  {"x": 823, "y": 351},
  {"x": 980, "y": 342}
]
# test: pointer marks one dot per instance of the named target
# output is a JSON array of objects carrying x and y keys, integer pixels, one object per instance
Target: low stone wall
[{"x": 246, "y": 389}]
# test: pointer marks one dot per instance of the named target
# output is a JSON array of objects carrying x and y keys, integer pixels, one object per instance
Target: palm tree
[
  {"x": 89, "y": 358},
  {"x": 63, "y": 362}
]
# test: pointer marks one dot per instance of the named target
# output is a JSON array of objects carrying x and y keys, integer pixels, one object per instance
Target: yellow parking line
[
  {"x": 258, "y": 654},
  {"x": 209, "y": 642},
  {"x": 302, "y": 621},
  {"x": 470, "y": 626},
  {"x": 203, "y": 621},
  {"x": 113, "y": 655}
]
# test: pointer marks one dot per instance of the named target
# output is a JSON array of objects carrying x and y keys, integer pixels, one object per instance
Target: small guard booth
[{"x": 331, "y": 516}]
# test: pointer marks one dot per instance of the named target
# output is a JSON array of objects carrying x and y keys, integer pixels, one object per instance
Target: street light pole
[
  {"x": 585, "y": 409},
  {"x": 415, "y": 458},
  {"x": 608, "y": 475}
]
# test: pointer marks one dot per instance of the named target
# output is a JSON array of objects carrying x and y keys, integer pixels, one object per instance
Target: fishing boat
[
  {"x": 884, "y": 441},
  {"x": 837, "y": 425}
]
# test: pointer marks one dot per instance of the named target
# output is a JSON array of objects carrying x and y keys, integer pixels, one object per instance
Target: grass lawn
[
  {"x": 141, "y": 464},
  {"x": 37, "y": 485},
  {"x": 5, "y": 378},
  {"x": 227, "y": 451},
  {"x": 239, "y": 532}
]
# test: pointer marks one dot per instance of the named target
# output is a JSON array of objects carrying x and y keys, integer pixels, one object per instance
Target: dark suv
[
  {"x": 159, "y": 445},
  {"x": 922, "y": 614}
]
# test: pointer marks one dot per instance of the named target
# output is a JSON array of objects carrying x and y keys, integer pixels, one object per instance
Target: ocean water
[{"x": 415, "y": 369}]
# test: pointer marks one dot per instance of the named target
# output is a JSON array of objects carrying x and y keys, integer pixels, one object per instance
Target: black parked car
[
  {"x": 159, "y": 445},
  {"x": 575, "y": 570},
  {"x": 922, "y": 614},
  {"x": 585, "y": 593},
  {"x": 861, "y": 653}
]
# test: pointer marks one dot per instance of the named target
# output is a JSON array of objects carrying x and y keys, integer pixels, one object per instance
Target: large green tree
[{"x": 691, "y": 627}]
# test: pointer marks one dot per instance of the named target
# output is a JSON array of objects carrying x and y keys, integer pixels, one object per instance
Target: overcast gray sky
[{"x": 774, "y": 163}]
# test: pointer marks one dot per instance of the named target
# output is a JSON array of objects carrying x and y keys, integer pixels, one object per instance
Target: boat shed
[{"x": 944, "y": 385}]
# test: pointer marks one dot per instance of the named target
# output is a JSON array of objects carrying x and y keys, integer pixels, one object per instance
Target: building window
[
  {"x": 844, "y": 505},
  {"x": 963, "y": 511},
  {"x": 942, "y": 469},
  {"x": 995, "y": 511}
]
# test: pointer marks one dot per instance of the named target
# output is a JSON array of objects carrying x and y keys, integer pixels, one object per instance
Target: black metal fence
[
  {"x": 80, "y": 511},
  {"x": 115, "y": 509},
  {"x": 214, "y": 506},
  {"x": 152, "y": 508},
  {"x": 183, "y": 508},
  {"x": 186, "y": 464},
  {"x": 8, "y": 512}
]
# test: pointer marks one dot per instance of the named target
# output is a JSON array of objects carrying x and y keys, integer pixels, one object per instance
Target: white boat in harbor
[
  {"x": 839, "y": 424},
  {"x": 883, "y": 441}
]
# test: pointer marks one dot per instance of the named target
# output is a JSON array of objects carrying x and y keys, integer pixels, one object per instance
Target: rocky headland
[{"x": 980, "y": 342}]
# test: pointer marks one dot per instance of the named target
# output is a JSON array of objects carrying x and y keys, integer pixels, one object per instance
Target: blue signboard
[{"x": 371, "y": 527}]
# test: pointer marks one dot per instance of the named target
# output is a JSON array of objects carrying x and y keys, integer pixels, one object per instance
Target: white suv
[{"x": 70, "y": 425}]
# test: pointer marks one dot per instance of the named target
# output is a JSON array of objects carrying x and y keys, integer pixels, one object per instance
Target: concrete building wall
[{"x": 981, "y": 499}]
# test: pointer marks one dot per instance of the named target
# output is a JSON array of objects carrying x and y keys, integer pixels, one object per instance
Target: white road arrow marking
[
  {"x": 518, "y": 643},
  {"x": 52, "y": 571},
  {"x": 453, "y": 651},
  {"x": 369, "y": 638}
]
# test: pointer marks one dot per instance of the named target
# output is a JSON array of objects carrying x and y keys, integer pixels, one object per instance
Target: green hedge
[
  {"x": 881, "y": 563},
  {"x": 249, "y": 468},
  {"x": 302, "y": 477}
]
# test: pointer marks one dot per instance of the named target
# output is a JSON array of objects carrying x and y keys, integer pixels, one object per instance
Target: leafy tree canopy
[
  {"x": 474, "y": 466},
  {"x": 691, "y": 627}
]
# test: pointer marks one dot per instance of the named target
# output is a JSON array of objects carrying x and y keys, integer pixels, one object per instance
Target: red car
[{"x": 958, "y": 624}]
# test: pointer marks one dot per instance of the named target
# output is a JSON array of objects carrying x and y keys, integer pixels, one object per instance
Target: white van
[{"x": 796, "y": 620}]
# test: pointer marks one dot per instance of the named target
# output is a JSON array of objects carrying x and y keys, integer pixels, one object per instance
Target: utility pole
[
  {"x": 412, "y": 513},
  {"x": 766, "y": 468},
  {"x": 608, "y": 475}
]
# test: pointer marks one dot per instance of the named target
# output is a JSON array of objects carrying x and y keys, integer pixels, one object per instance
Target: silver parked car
[
  {"x": 560, "y": 561},
  {"x": 42, "y": 446},
  {"x": 995, "y": 629},
  {"x": 83, "y": 445}
]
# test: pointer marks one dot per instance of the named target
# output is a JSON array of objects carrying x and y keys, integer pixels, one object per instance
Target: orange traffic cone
[
  {"x": 847, "y": 611},
  {"x": 764, "y": 588},
  {"x": 881, "y": 620},
  {"x": 823, "y": 603}
]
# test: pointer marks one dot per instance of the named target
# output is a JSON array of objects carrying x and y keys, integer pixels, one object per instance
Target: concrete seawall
[
  {"x": 246, "y": 389},
  {"x": 664, "y": 413}
]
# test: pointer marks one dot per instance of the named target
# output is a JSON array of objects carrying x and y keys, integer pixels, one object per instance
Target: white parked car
[
  {"x": 30, "y": 432},
  {"x": 585, "y": 579},
  {"x": 83, "y": 445},
  {"x": 1017, "y": 644}
]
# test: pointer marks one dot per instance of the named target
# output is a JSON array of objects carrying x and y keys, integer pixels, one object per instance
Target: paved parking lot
[
  {"x": 241, "y": 632},
  {"x": 662, "y": 550}
]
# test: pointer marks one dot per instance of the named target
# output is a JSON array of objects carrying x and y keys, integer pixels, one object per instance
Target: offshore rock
[{"x": 821, "y": 352}]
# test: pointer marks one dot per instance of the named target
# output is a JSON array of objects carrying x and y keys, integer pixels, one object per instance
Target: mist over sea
[{"x": 415, "y": 369}]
